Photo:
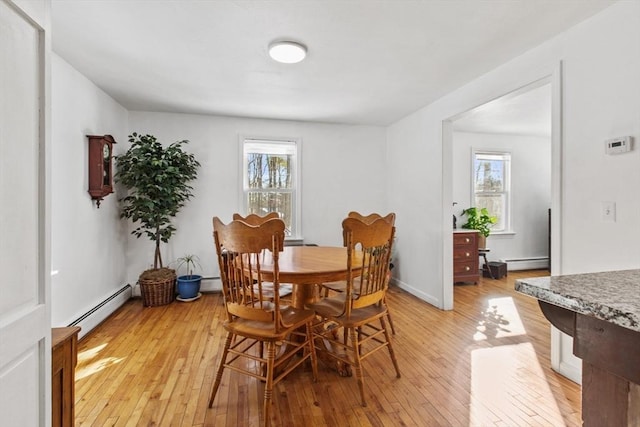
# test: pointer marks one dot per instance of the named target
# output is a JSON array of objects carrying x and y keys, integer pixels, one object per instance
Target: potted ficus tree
[
  {"x": 157, "y": 179},
  {"x": 481, "y": 220},
  {"x": 189, "y": 284}
]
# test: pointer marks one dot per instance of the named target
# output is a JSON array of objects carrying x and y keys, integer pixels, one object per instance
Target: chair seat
[
  {"x": 334, "y": 308},
  {"x": 284, "y": 289},
  {"x": 292, "y": 318},
  {"x": 340, "y": 286}
]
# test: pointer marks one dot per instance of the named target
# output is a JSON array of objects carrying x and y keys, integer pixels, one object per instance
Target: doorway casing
[{"x": 554, "y": 78}]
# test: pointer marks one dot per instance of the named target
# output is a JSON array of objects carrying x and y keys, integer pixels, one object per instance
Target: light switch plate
[{"x": 609, "y": 211}]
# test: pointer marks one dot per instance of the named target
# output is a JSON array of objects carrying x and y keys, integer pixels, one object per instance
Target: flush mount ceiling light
[{"x": 287, "y": 52}]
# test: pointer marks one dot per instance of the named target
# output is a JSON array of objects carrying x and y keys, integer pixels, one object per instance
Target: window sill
[{"x": 503, "y": 233}]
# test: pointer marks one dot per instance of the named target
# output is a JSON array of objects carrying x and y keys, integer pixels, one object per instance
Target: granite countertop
[{"x": 613, "y": 296}]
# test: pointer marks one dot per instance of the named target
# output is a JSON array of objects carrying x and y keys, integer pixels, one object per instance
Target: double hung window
[
  {"x": 270, "y": 171},
  {"x": 492, "y": 186}
]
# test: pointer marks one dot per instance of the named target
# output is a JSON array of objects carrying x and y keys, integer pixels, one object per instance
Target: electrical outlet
[{"x": 609, "y": 211}]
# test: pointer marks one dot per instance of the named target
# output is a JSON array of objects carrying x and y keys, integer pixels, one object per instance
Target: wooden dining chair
[
  {"x": 285, "y": 289},
  {"x": 255, "y": 319},
  {"x": 341, "y": 286},
  {"x": 390, "y": 218},
  {"x": 360, "y": 315},
  {"x": 254, "y": 219}
]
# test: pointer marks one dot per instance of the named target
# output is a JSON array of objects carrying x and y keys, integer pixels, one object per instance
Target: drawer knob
[
  {"x": 467, "y": 268},
  {"x": 467, "y": 240},
  {"x": 467, "y": 254}
]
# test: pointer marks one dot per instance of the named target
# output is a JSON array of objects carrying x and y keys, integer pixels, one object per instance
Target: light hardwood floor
[{"x": 486, "y": 363}]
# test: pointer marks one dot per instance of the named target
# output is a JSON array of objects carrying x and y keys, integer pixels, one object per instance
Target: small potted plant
[
  {"x": 479, "y": 219},
  {"x": 189, "y": 284}
]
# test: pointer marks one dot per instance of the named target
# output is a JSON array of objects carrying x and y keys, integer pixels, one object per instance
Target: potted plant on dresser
[
  {"x": 189, "y": 284},
  {"x": 481, "y": 220},
  {"x": 157, "y": 179}
]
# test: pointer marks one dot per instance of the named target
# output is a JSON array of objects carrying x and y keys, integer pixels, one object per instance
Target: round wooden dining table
[{"x": 306, "y": 267}]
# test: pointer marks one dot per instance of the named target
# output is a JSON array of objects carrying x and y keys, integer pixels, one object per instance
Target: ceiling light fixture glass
[{"x": 288, "y": 52}]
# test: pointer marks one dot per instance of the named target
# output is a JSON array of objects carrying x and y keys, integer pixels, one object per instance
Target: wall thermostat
[{"x": 618, "y": 145}]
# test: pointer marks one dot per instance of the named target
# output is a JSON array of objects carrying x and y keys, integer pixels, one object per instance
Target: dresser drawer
[
  {"x": 464, "y": 253},
  {"x": 465, "y": 268},
  {"x": 464, "y": 239}
]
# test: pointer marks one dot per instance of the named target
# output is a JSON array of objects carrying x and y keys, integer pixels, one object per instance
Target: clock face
[{"x": 106, "y": 151}]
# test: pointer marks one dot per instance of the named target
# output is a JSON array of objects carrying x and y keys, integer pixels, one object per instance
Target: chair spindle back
[
  {"x": 240, "y": 248},
  {"x": 374, "y": 239}
]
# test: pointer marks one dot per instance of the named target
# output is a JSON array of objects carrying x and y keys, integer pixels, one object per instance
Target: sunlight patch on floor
[
  {"x": 86, "y": 367},
  {"x": 97, "y": 366},
  {"x": 507, "y": 384},
  {"x": 91, "y": 352},
  {"x": 500, "y": 319}
]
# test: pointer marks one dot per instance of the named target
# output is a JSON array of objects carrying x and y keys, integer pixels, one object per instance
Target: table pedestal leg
[{"x": 306, "y": 294}]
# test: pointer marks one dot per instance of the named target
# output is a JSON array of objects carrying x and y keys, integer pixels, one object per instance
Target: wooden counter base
[{"x": 610, "y": 366}]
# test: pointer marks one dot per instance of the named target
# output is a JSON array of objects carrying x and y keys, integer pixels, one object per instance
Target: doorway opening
[{"x": 525, "y": 125}]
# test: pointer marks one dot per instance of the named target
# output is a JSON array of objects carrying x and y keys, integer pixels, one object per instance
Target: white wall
[
  {"x": 530, "y": 190},
  {"x": 601, "y": 99},
  {"x": 88, "y": 244},
  {"x": 343, "y": 169}
]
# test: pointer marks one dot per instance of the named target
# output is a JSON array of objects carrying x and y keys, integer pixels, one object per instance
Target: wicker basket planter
[{"x": 158, "y": 287}]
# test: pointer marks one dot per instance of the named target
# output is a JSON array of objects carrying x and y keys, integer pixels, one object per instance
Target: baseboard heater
[
  {"x": 211, "y": 284},
  {"x": 531, "y": 263},
  {"x": 100, "y": 312}
]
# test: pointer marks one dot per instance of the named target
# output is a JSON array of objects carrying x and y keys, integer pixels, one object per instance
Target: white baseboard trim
[
  {"x": 101, "y": 311},
  {"x": 211, "y": 284},
  {"x": 417, "y": 292},
  {"x": 534, "y": 263}
]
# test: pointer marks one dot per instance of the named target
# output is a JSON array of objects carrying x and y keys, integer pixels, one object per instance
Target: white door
[{"x": 25, "y": 354}]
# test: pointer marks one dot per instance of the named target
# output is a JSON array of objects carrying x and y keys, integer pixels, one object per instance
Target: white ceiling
[
  {"x": 370, "y": 62},
  {"x": 526, "y": 112}
]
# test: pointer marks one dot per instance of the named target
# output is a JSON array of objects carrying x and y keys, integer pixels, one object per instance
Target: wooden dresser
[
  {"x": 64, "y": 357},
  {"x": 465, "y": 256}
]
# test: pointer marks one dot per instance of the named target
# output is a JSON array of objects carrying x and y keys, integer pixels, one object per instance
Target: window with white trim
[
  {"x": 270, "y": 170},
  {"x": 492, "y": 185}
]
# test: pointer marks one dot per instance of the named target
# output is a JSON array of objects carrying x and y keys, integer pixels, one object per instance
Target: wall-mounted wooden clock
[{"x": 100, "y": 166}]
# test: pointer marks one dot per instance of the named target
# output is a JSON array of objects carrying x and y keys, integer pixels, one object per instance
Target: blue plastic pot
[{"x": 189, "y": 286}]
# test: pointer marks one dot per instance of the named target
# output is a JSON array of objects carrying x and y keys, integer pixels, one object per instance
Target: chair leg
[
  {"x": 358, "y": 363},
  {"x": 312, "y": 349},
  {"x": 390, "y": 347},
  {"x": 345, "y": 336},
  {"x": 393, "y": 330},
  {"x": 223, "y": 360},
  {"x": 268, "y": 388}
]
